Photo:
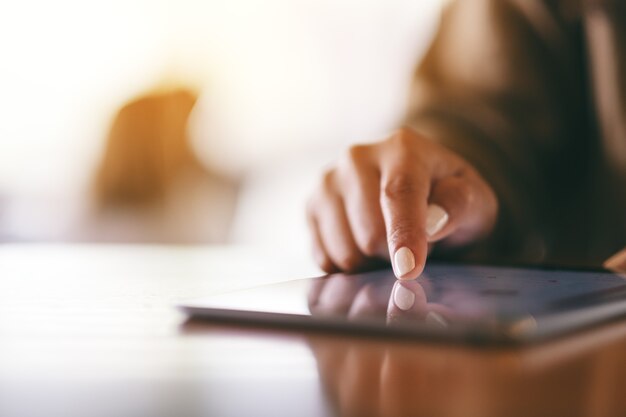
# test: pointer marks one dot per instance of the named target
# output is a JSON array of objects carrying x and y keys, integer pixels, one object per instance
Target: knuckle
[
  {"x": 328, "y": 181},
  {"x": 401, "y": 234},
  {"x": 398, "y": 187},
  {"x": 324, "y": 263},
  {"x": 357, "y": 153},
  {"x": 349, "y": 262},
  {"x": 351, "y": 162},
  {"x": 324, "y": 190},
  {"x": 404, "y": 138},
  {"x": 370, "y": 246}
]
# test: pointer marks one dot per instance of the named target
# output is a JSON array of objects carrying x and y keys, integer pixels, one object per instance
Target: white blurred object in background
[
  {"x": 286, "y": 86},
  {"x": 299, "y": 82}
]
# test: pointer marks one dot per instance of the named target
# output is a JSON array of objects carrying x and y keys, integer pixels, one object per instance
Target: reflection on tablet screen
[{"x": 479, "y": 301}]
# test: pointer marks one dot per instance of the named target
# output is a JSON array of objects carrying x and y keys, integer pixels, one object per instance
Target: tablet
[{"x": 474, "y": 304}]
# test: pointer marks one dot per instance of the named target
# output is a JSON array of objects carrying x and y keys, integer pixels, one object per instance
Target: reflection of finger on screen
[
  {"x": 369, "y": 303},
  {"x": 314, "y": 292},
  {"x": 407, "y": 301},
  {"x": 336, "y": 295}
]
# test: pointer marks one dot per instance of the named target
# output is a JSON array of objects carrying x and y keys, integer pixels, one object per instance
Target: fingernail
[
  {"x": 404, "y": 261},
  {"x": 403, "y": 298},
  {"x": 436, "y": 219},
  {"x": 436, "y": 319}
]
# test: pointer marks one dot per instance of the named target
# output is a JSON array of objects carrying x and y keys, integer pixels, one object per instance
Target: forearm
[{"x": 487, "y": 90}]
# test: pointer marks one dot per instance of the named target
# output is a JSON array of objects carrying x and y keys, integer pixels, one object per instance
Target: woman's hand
[{"x": 390, "y": 199}]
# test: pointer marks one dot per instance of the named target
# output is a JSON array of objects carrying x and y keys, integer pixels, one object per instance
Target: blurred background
[{"x": 189, "y": 121}]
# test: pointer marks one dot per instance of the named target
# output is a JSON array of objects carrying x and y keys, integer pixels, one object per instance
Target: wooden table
[{"x": 91, "y": 331}]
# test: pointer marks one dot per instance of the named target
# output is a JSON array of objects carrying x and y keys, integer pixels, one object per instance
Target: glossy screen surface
[{"x": 458, "y": 301}]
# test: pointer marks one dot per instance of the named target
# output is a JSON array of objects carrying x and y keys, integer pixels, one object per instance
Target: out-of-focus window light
[
  {"x": 65, "y": 65},
  {"x": 277, "y": 78}
]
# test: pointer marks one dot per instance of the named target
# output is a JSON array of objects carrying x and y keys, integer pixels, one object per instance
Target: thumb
[{"x": 461, "y": 210}]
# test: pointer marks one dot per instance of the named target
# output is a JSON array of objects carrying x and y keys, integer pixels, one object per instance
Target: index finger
[{"x": 404, "y": 201}]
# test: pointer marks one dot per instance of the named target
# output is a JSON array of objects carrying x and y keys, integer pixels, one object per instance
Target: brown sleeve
[{"x": 501, "y": 85}]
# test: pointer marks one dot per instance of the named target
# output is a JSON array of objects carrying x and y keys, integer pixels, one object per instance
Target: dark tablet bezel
[{"x": 523, "y": 331}]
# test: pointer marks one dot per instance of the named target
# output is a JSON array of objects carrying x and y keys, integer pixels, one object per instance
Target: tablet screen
[{"x": 448, "y": 300}]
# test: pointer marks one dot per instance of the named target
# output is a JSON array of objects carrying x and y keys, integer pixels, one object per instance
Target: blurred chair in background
[{"x": 150, "y": 187}]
